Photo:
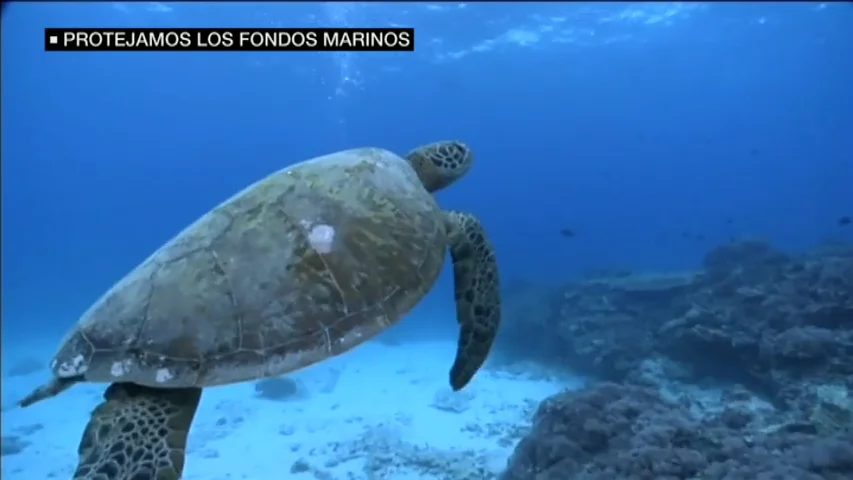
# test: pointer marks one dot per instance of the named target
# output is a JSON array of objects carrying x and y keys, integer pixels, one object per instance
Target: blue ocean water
[{"x": 633, "y": 136}]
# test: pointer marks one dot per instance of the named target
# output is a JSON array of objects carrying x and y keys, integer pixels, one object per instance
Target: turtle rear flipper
[
  {"x": 50, "y": 389},
  {"x": 137, "y": 432},
  {"x": 478, "y": 303}
]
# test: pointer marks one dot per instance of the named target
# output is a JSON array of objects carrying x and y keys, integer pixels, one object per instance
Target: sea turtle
[{"x": 301, "y": 266}]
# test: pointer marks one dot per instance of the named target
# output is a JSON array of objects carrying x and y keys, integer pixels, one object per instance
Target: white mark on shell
[
  {"x": 120, "y": 369},
  {"x": 163, "y": 375},
  {"x": 73, "y": 368},
  {"x": 322, "y": 238},
  {"x": 356, "y": 334}
]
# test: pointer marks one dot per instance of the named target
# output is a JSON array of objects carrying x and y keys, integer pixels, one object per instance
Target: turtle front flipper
[
  {"x": 478, "y": 302},
  {"x": 137, "y": 432}
]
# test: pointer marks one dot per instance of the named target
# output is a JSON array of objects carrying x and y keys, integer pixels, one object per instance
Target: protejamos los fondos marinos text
[{"x": 234, "y": 39}]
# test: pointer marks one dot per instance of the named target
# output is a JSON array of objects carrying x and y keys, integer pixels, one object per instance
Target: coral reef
[
  {"x": 770, "y": 332},
  {"x": 631, "y": 433},
  {"x": 780, "y": 324}
]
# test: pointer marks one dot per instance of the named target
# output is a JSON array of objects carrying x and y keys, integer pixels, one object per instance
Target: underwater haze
[{"x": 645, "y": 172}]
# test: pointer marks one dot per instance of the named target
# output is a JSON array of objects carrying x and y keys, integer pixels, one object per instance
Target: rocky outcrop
[
  {"x": 631, "y": 433},
  {"x": 779, "y": 324}
]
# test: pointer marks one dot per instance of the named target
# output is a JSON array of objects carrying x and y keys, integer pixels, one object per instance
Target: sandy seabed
[{"x": 378, "y": 412}]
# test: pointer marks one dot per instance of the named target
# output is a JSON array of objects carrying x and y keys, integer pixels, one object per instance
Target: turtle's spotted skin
[
  {"x": 303, "y": 265},
  {"x": 440, "y": 164},
  {"x": 135, "y": 434},
  {"x": 478, "y": 303}
]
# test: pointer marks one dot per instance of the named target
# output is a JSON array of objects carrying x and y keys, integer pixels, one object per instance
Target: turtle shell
[{"x": 301, "y": 266}]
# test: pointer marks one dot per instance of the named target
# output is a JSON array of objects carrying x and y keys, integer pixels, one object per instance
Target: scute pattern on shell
[{"x": 243, "y": 294}]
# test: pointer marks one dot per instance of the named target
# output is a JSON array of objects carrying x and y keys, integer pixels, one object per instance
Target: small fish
[
  {"x": 844, "y": 221},
  {"x": 567, "y": 232}
]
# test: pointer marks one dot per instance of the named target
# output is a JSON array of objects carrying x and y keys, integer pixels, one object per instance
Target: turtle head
[{"x": 441, "y": 163}]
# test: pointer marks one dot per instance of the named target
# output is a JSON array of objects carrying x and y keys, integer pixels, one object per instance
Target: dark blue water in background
[{"x": 650, "y": 131}]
